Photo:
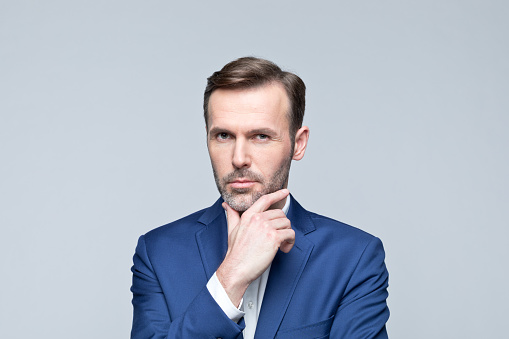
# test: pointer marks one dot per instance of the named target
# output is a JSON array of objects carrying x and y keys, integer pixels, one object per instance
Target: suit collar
[
  {"x": 212, "y": 240},
  {"x": 301, "y": 221},
  {"x": 211, "y": 213}
]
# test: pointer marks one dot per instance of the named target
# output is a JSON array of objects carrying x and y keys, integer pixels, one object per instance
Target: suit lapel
[
  {"x": 284, "y": 274},
  {"x": 212, "y": 240}
]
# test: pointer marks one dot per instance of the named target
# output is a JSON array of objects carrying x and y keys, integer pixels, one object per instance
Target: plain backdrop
[{"x": 102, "y": 139}]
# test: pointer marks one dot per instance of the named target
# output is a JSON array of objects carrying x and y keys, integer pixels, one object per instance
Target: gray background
[{"x": 102, "y": 139}]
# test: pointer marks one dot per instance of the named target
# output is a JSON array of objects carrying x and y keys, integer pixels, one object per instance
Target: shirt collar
[{"x": 286, "y": 207}]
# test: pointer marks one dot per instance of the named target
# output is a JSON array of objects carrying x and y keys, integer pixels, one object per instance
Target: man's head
[
  {"x": 251, "y": 72},
  {"x": 251, "y": 135}
]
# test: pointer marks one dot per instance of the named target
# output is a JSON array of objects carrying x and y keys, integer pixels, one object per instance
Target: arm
[
  {"x": 202, "y": 319},
  {"x": 363, "y": 310}
]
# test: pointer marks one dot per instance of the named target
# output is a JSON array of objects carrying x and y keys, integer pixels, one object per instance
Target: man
[{"x": 256, "y": 264}]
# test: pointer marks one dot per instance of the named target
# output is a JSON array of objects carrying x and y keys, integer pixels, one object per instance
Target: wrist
[{"x": 233, "y": 284}]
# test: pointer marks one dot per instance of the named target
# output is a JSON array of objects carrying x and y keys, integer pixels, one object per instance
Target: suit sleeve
[
  {"x": 363, "y": 310},
  {"x": 202, "y": 319}
]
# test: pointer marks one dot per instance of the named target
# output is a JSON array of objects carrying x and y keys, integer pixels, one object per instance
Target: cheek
[
  {"x": 219, "y": 159},
  {"x": 270, "y": 162}
]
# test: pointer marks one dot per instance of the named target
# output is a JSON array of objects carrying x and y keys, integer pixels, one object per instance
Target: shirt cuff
[{"x": 217, "y": 292}]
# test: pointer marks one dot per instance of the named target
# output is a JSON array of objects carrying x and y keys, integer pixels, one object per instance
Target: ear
[{"x": 301, "y": 142}]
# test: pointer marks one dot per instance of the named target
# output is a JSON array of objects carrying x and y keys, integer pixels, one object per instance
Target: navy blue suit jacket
[{"x": 332, "y": 284}]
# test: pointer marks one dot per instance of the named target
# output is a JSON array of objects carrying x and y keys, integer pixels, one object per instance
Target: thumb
[{"x": 232, "y": 217}]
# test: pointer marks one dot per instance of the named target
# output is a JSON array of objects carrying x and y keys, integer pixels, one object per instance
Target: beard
[{"x": 240, "y": 199}]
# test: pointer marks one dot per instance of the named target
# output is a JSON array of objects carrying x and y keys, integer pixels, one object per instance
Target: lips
[{"x": 242, "y": 183}]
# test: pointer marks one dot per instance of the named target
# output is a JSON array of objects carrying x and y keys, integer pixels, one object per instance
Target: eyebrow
[
  {"x": 217, "y": 130},
  {"x": 268, "y": 131}
]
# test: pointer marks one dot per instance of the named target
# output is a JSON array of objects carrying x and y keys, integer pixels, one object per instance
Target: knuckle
[{"x": 273, "y": 237}]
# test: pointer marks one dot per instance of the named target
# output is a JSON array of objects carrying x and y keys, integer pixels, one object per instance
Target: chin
[
  {"x": 241, "y": 201},
  {"x": 241, "y": 191},
  {"x": 240, "y": 206}
]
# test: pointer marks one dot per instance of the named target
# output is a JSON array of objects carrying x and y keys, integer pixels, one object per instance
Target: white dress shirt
[{"x": 251, "y": 303}]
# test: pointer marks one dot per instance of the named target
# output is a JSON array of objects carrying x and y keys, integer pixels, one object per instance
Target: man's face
[{"x": 249, "y": 143}]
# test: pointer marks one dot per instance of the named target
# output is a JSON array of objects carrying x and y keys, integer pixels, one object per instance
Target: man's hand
[{"x": 253, "y": 241}]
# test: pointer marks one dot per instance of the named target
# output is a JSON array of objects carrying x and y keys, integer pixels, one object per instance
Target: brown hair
[{"x": 249, "y": 72}]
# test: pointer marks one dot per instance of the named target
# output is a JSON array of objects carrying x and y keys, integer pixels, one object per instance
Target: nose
[{"x": 241, "y": 157}]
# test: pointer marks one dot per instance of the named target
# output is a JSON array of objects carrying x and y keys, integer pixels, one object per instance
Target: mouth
[{"x": 242, "y": 183}]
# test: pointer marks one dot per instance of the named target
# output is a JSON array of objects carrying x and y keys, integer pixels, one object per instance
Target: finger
[
  {"x": 232, "y": 217},
  {"x": 288, "y": 240},
  {"x": 286, "y": 247},
  {"x": 268, "y": 200},
  {"x": 279, "y": 223},
  {"x": 274, "y": 214}
]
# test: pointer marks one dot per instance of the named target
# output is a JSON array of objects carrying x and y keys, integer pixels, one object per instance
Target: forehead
[{"x": 261, "y": 105}]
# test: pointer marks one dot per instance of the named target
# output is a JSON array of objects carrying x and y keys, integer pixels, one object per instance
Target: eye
[
  {"x": 222, "y": 136},
  {"x": 262, "y": 136}
]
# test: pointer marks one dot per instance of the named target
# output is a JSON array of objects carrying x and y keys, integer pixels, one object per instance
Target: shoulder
[
  {"x": 321, "y": 228},
  {"x": 184, "y": 229},
  {"x": 170, "y": 239},
  {"x": 346, "y": 248},
  {"x": 332, "y": 237},
  {"x": 326, "y": 224},
  {"x": 340, "y": 237},
  {"x": 180, "y": 229}
]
